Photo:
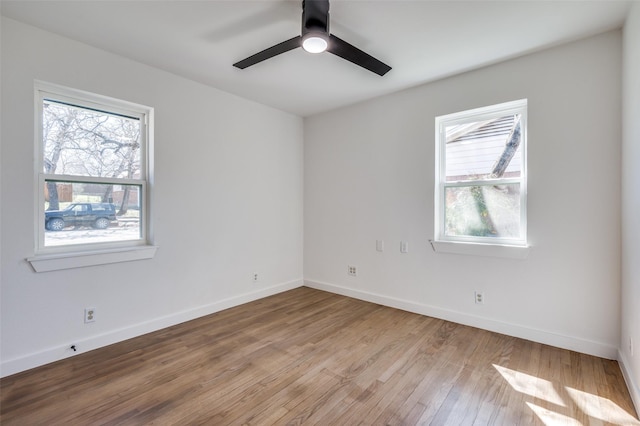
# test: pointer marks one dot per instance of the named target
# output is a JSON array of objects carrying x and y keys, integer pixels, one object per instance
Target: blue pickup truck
[{"x": 96, "y": 215}]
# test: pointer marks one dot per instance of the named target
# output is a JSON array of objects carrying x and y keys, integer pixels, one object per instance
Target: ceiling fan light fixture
[{"x": 315, "y": 42}]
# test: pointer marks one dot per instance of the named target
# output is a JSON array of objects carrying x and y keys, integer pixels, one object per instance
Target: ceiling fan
[{"x": 316, "y": 38}]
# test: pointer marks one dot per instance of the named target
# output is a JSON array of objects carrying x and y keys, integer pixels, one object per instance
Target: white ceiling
[{"x": 422, "y": 40}]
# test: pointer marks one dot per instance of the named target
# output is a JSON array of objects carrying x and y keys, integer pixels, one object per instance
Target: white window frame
[
  {"x": 471, "y": 244},
  {"x": 80, "y": 255}
]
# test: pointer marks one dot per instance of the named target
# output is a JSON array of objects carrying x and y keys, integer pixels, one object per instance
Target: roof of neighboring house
[{"x": 472, "y": 149}]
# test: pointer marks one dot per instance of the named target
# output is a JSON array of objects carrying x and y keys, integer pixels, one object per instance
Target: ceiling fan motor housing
[{"x": 315, "y": 16}]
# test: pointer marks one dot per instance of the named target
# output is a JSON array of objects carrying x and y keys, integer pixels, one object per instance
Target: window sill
[
  {"x": 477, "y": 249},
  {"x": 56, "y": 262}
]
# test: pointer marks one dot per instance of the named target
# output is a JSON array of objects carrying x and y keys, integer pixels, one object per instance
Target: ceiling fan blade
[
  {"x": 272, "y": 51},
  {"x": 351, "y": 53}
]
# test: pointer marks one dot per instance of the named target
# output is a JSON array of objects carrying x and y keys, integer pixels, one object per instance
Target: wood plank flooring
[{"x": 311, "y": 357}]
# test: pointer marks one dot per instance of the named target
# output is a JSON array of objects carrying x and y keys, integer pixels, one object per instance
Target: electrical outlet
[
  {"x": 255, "y": 277},
  {"x": 89, "y": 315},
  {"x": 479, "y": 298},
  {"x": 404, "y": 247},
  {"x": 352, "y": 270},
  {"x": 380, "y": 245},
  {"x": 630, "y": 346}
]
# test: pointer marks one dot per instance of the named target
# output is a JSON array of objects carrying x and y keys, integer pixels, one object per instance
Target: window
[
  {"x": 92, "y": 171},
  {"x": 481, "y": 175}
]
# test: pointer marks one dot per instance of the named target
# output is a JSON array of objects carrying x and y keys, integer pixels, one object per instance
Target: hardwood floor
[{"x": 310, "y": 357}]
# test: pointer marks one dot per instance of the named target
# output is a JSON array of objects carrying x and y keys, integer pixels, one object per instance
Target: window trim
[
  {"x": 477, "y": 245},
  {"x": 479, "y": 249},
  {"x": 79, "y": 255}
]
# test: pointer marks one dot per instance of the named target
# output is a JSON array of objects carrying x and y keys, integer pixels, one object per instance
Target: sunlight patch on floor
[
  {"x": 601, "y": 408},
  {"x": 531, "y": 385},
  {"x": 552, "y": 418},
  {"x": 595, "y": 407}
]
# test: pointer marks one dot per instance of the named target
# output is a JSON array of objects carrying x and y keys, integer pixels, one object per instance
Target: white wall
[
  {"x": 228, "y": 202},
  {"x": 369, "y": 174},
  {"x": 631, "y": 204}
]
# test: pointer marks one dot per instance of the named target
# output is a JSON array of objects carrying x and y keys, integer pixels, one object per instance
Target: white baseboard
[
  {"x": 634, "y": 387},
  {"x": 57, "y": 353},
  {"x": 541, "y": 336},
  {"x": 53, "y": 354}
]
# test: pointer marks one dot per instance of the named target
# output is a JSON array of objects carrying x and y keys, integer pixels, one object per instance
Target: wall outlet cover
[{"x": 89, "y": 315}]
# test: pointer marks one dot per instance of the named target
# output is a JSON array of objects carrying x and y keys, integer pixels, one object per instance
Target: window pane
[
  {"x": 85, "y": 142},
  {"x": 483, "y": 211},
  {"x": 484, "y": 149},
  {"x": 81, "y": 213}
]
